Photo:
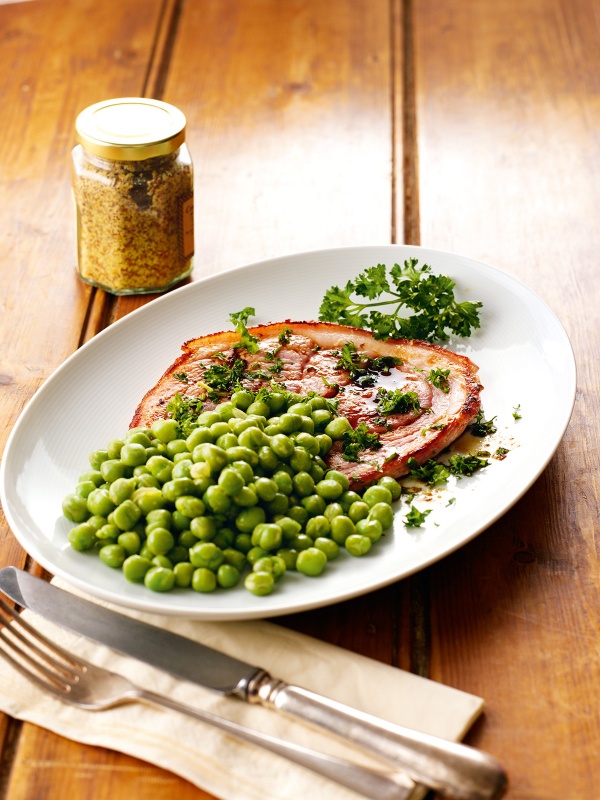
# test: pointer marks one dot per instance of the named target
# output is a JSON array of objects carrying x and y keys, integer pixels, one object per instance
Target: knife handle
[{"x": 454, "y": 770}]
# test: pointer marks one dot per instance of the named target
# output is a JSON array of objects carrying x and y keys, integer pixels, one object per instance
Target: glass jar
[{"x": 134, "y": 196}]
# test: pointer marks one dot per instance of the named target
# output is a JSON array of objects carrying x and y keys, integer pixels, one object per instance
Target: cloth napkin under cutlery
[{"x": 210, "y": 759}]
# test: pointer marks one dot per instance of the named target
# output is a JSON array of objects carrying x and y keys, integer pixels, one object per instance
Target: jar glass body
[{"x": 135, "y": 221}]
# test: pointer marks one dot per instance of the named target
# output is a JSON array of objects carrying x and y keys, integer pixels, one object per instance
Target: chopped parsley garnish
[
  {"x": 247, "y": 340},
  {"x": 222, "y": 378},
  {"x": 181, "y": 376},
  {"x": 501, "y": 452},
  {"x": 185, "y": 411},
  {"x": 465, "y": 465},
  {"x": 361, "y": 368},
  {"x": 357, "y": 440},
  {"x": 431, "y": 472},
  {"x": 481, "y": 427},
  {"x": 517, "y": 412},
  {"x": 277, "y": 364},
  {"x": 284, "y": 336},
  {"x": 415, "y": 518},
  {"x": 394, "y": 401},
  {"x": 408, "y": 287},
  {"x": 439, "y": 378}
]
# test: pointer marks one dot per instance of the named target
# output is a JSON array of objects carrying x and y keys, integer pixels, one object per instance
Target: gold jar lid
[{"x": 130, "y": 128}]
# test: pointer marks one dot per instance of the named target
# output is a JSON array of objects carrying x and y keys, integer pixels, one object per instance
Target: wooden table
[{"x": 465, "y": 125}]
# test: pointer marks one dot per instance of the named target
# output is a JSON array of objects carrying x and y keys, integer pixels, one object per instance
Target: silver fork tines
[{"x": 78, "y": 682}]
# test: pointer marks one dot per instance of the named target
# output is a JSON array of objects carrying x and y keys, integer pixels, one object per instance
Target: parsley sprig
[
  {"x": 408, "y": 287},
  {"x": 357, "y": 440}
]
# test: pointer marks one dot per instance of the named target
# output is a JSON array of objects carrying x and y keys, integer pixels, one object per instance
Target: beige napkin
[{"x": 213, "y": 761}]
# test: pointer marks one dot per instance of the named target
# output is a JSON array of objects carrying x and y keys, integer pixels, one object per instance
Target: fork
[{"x": 78, "y": 682}]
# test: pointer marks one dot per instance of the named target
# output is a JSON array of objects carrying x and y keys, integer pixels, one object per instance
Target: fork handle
[
  {"x": 384, "y": 785},
  {"x": 454, "y": 770}
]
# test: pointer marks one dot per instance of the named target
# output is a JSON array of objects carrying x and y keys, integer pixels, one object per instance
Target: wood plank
[
  {"x": 507, "y": 117},
  {"x": 43, "y": 302}
]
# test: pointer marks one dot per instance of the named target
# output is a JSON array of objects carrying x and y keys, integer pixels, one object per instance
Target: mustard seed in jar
[{"x": 134, "y": 196}]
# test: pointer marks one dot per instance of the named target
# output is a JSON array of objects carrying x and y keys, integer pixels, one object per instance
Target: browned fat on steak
[{"x": 309, "y": 362}]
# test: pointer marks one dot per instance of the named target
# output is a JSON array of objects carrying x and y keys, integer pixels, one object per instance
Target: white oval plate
[{"x": 525, "y": 360}]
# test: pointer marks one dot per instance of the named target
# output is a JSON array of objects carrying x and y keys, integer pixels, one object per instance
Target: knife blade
[{"x": 454, "y": 770}]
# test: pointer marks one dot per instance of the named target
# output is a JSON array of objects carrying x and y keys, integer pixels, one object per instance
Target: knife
[{"x": 454, "y": 770}]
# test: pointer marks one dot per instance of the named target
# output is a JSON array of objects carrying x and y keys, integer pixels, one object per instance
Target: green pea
[
  {"x": 135, "y": 568},
  {"x": 227, "y": 440},
  {"x": 133, "y": 454},
  {"x": 162, "y": 560},
  {"x": 333, "y": 510},
  {"x": 325, "y": 443},
  {"x": 77, "y": 508},
  {"x": 158, "y": 517},
  {"x": 267, "y": 535},
  {"x": 130, "y": 542},
  {"x": 82, "y": 537},
  {"x": 289, "y": 423},
  {"x": 206, "y": 554},
  {"x": 148, "y": 498},
  {"x": 278, "y": 505},
  {"x": 357, "y": 544},
  {"x": 217, "y": 500},
  {"x": 289, "y": 557},
  {"x": 282, "y": 446},
  {"x": 377, "y": 494},
  {"x": 204, "y": 580},
  {"x": 303, "y": 484},
  {"x": 159, "y": 579},
  {"x": 225, "y": 537},
  {"x": 160, "y": 541},
  {"x": 97, "y": 522},
  {"x": 113, "y": 555},
  {"x": 177, "y": 447},
  {"x": 253, "y": 437},
  {"x": 341, "y": 528},
  {"x": 178, "y": 487},
  {"x": 231, "y": 481},
  {"x": 126, "y": 515},
  {"x": 248, "y": 518},
  {"x": 190, "y": 506},
  {"x": 329, "y": 489},
  {"x": 266, "y": 489},
  {"x": 97, "y": 458},
  {"x": 218, "y": 429},
  {"x": 243, "y": 543},
  {"x": 147, "y": 480},
  {"x": 235, "y": 557},
  {"x": 259, "y": 583},
  {"x": 240, "y": 453},
  {"x": 197, "y": 437},
  {"x": 371, "y": 528},
  {"x": 204, "y": 528},
  {"x": 327, "y": 546},
  {"x": 358, "y": 510},
  {"x": 289, "y": 527},
  {"x": 308, "y": 442},
  {"x": 392, "y": 485},
  {"x": 244, "y": 469},
  {"x": 161, "y": 467},
  {"x": 208, "y": 418},
  {"x": 182, "y": 466},
  {"x": 242, "y": 399},
  {"x": 283, "y": 482},
  {"x": 183, "y": 572},
  {"x": 165, "y": 430},
  {"x": 137, "y": 436},
  {"x": 317, "y": 473},
  {"x": 276, "y": 401},
  {"x": 347, "y": 498},
  {"x": 84, "y": 488},
  {"x": 318, "y": 526},
  {"x": 92, "y": 475},
  {"x": 246, "y": 497},
  {"x": 226, "y": 410},
  {"x": 300, "y": 460},
  {"x": 320, "y": 418},
  {"x": 111, "y": 469},
  {"x": 301, "y": 542},
  {"x": 311, "y": 561},
  {"x": 227, "y": 576},
  {"x": 299, "y": 514},
  {"x": 314, "y": 504},
  {"x": 337, "y": 428},
  {"x": 99, "y": 502},
  {"x": 336, "y": 475},
  {"x": 273, "y": 564},
  {"x": 267, "y": 459},
  {"x": 255, "y": 553},
  {"x": 383, "y": 513},
  {"x": 122, "y": 489}
]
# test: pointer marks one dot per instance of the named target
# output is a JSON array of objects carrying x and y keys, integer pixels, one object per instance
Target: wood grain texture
[{"x": 508, "y": 113}]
